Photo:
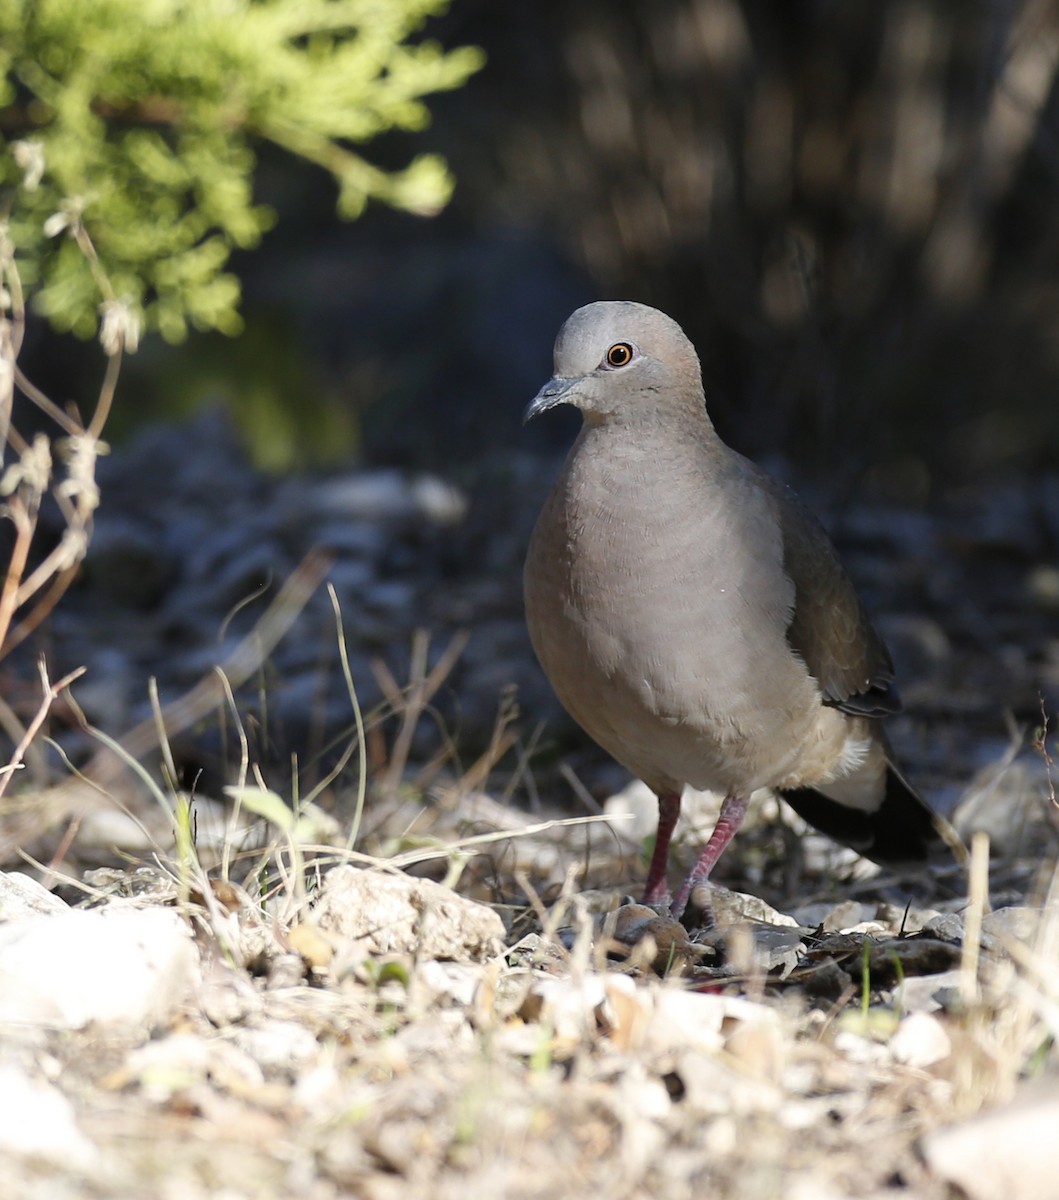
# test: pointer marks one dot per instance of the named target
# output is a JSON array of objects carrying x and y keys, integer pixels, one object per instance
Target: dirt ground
[{"x": 345, "y": 1028}]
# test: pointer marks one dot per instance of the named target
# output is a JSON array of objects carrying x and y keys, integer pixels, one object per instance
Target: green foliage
[{"x": 139, "y": 118}]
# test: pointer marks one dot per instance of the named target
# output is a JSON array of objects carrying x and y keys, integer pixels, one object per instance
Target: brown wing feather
[{"x": 830, "y": 628}]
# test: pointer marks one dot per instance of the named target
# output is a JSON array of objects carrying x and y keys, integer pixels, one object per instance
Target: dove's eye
[{"x": 620, "y": 355}]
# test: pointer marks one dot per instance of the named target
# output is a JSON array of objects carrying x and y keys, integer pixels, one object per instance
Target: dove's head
[{"x": 617, "y": 360}]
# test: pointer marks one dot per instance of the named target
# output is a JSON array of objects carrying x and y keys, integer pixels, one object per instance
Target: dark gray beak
[{"x": 553, "y": 393}]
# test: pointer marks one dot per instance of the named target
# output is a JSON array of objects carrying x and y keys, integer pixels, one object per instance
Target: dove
[{"x": 693, "y": 616}]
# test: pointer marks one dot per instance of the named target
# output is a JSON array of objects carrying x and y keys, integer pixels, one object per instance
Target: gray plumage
[{"x": 692, "y": 615}]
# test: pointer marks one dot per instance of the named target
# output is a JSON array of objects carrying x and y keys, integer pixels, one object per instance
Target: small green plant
[{"x": 138, "y": 120}]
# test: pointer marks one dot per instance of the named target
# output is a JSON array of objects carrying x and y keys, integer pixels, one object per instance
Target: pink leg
[
  {"x": 655, "y": 890},
  {"x": 733, "y": 810}
]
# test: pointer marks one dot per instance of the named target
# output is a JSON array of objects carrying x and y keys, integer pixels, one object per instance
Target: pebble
[
  {"x": 920, "y": 1041},
  {"x": 168, "y": 1065},
  {"x": 948, "y": 927},
  {"x": 830, "y": 918}
]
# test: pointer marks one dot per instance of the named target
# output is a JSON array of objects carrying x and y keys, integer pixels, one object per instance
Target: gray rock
[
  {"x": 1014, "y": 923},
  {"x": 946, "y": 926}
]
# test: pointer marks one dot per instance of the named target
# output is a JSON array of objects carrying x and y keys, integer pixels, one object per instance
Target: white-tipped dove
[{"x": 693, "y": 616}]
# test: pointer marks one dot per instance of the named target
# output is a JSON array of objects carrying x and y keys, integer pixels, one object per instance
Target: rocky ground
[{"x": 347, "y": 933}]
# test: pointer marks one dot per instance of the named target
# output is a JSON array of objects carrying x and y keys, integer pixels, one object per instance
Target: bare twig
[
  {"x": 51, "y": 693},
  {"x": 41, "y": 610},
  {"x": 1040, "y": 744},
  {"x": 24, "y": 525},
  {"x": 28, "y": 480},
  {"x": 46, "y": 405}
]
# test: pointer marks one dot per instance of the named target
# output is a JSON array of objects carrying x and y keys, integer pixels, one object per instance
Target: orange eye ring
[{"x": 620, "y": 355}]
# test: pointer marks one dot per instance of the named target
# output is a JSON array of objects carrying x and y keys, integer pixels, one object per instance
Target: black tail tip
[{"x": 902, "y": 831}]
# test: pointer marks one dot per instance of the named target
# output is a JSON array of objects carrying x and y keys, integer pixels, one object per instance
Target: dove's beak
[{"x": 553, "y": 393}]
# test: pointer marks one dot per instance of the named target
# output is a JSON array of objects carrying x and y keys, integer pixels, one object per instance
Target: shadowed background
[{"x": 853, "y": 210}]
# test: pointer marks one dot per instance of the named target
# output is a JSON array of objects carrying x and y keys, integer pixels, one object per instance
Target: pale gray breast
[{"x": 658, "y": 606}]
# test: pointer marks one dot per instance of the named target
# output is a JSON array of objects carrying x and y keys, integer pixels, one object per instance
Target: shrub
[{"x": 138, "y": 119}]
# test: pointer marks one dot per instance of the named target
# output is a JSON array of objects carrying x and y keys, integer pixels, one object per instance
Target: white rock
[
  {"x": 438, "y": 500},
  {"x": 662, "y": 1018},
  {"x": 318, "y": 1089},
  {"x": 638, "y": 802},
  {"x": 920, "y": 1041},
  {"x": 396, "y": 914},
  {"x": 919, "y": 993},
  {"x": 872, "y": 928},
  {"x": 712, "y": 1087},
  {"x": 569, "y": 1007},
  {"x": 118, "y": 966},
  {"x": 947, "y": 926},
  {"x": 859, "y": 1049},
  {"x": 389, "y": 495},
  {"x": 38, "y": 1122},
  {"x": 844, "y": 916},
  {"x": 830, "y": 916},
  {"x": 732, "y": 908},
  {"x": 22, "y": 896},
  {"x": 168, "y": 1065},
  {"x": 814, "y": 1187},
  {"x": 1002, "y": 800},
  {"x": 110, "y": 829},
  {"x": 1011, "y": 1153},
  {"x": 457, "y": 982},
  {"x": 278, "y": 1045}
]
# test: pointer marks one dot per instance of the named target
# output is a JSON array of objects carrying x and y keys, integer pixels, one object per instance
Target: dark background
[{"x": 852, "y": 208}]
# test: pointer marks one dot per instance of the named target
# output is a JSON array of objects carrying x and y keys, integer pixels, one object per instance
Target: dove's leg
[
  {"x": 655, "y": 890},
  {"x": 733, "y": 810}
]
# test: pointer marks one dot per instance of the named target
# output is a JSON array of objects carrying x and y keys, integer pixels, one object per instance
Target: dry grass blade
[
  {"x": 501, "y": 739},
  {"x": 358, "y": 716},
  {"x": 25, "y": 525},
  {"x": 42, "y": 609},
  {"x": 411, "y": 702},
  {"x": 240, "y": 665},
  {"x": 978, "y": 901},
  {"x": 426, "y": 854},
  {"x": 93, "y": 787}
]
